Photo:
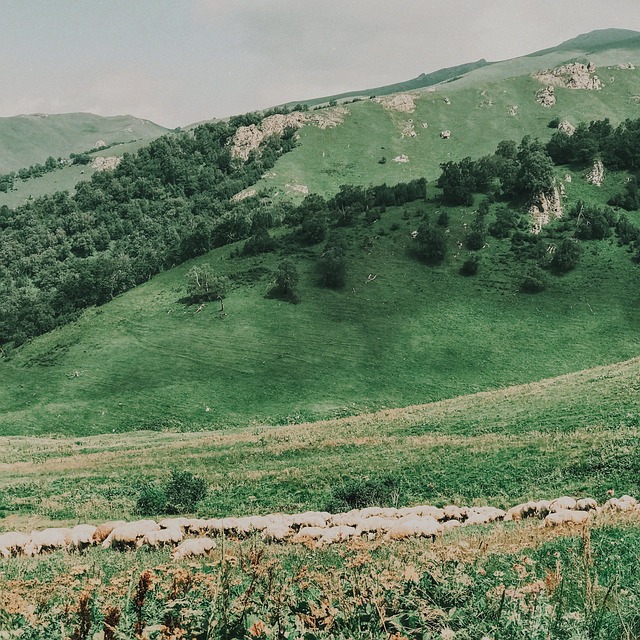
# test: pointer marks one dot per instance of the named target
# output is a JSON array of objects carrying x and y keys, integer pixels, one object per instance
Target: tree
[
  {"x": 203, "y": 285},
  {"x": 333, "y": 262},
  {"x": 431, "y": 243},
  {"x": 286, "y": 281},
  {"x": 566, "y": 256}
]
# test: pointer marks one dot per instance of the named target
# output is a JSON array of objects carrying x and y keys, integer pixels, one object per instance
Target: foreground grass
[{"x": 505, "y": 581}]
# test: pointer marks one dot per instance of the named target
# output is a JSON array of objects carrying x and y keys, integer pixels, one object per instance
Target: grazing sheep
[
  {"x": 104, "y": 529},
  {"x": 623, "y": 503},
  {"x": 127, "y": 535},
  {"x": 483, "y": 515},
  {"x": 566, "y": 516},
  {"x": 13, "y": 543},
  {"x": 172, "y": 523},
  {"x": 422, "y": 510},
  {"x": 520, "y": 511},
  {"x": 340, "y": 533},
  {"x": 81, "y": 536},
  {"x": 277, "y": 532},
  {"x": 542, "y": 508},
  {"x": 161, "y": 538},
  {"x": 562, "y": 504},
  {"x": 47, "y": 540},
  {"x": 586, "y": 504},
  {"x": 305, "y": 534},
  {"x": 415, "y": 526},
  {"x": 453, "y": 512},
  {"x": 194, "y": 547},
  {"x": 375, "y": 524},
  {"x": 196, "y": 525},
  {"x": 345, "y": 519},
  {"x": 310, "y": 519},
  {"x": 451, "y": 524}
]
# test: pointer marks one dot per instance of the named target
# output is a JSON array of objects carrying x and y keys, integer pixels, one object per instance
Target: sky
[{"x": 176, "y": 62}]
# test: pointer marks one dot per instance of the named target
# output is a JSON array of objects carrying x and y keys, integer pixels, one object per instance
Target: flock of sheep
[{"x": 312, "y": 527}]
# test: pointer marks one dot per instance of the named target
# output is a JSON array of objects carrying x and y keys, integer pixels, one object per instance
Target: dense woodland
[{"x": 171, "y": 202}]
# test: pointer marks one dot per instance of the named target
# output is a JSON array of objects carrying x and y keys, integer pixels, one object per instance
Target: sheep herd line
[{"x": 194, "y": 536}]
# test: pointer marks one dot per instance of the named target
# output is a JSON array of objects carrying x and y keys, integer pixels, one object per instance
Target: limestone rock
[
  {"x": 398, "y": 102},
  {"x": 105, "y": 164},
  {"x": 546, "y": 97},
  {"x": 574, "y": 75},
  {"x": 595, "y": 175},
  {"x": 545, "y": 208},
  {"x": 566, "y": 127}
]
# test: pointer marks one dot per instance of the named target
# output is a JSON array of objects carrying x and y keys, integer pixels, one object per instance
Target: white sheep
[
  {"x": 483, "y": 515},
  {"x": 81, "y": 536},
  {"x": 414, "y": 526},
  {"x": 196, "y": 525},
  {"x": 339, "y": 533},
  {"x": 422, "y": 510},
  {"x": 13, "y": 543},
  {"x": 623, "y": 503},
  {"x": 310, "y": 519},
  {"x": 542, "y": 508},
  {"x": 104, "y": 529},
  {"x": 586, "y": 504},
  {"x": 308, "y": 533},
  {"x": 47, "y": 540},
  {"x": 277, "y": 532},
  {"x": 562, "y": 504},
  {"x": 375, "y": 524},
  {"x": 162, "y": 537},
  {"x": 127, "y": 535},
  {"x": 520, "y": 511},
  {"x": 172, "y": 523},
  {"x": 566, "y": 516},
  {"x": 194, "y": 547},
  {"x": 454, "y": 512}
]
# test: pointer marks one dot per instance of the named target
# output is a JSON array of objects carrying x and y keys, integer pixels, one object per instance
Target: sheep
[
  {"x": 566, "y": 516},
  {"x": 47, "y": 540},
  {"x": 520, "y": 511},
  {"x": 483, "y": 515},
  {"x": 13, "y": 543},
  {"x": 81, "y": 536},
  {"x": 194, "y": 547},
  {"x": 310, "y": 519},
  {"x": 157, "y": 539},
  {"x": 196, "y": 525},
  {"x": 562, "y": 504},
  {"x": 542, "y": 508},
  {"x": 104, "y": 529},
  {"x": 623, "y": 503},
  {"x": 453, "y": 512},
  {"x": 172, "y": 523},
  {"x": 306, "y": 534},
  {"x": 277, "y": 532},
  {"x": 418, "y": 526},
  {"x": 422, "y": 510},
  {"x": 127, "y": 535},
  {"x": 586, "y": 504},
  {"x": 345, "y": 519},
  {"x": 340, "y": 533},
  {"x": 375, "y": 524},
  {"x": 451, "y": 524}
]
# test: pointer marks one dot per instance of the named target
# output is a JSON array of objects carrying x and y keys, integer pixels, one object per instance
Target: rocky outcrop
[
  {"x": 513, "y": 110},
  {"x": 105, "y": 164},
  {"x": 398, "y": 102},
  {"x": 249, "y": 138},
  {"x": 572, "y": 76},
  {"x": 566, "y": 127},
  {"x": 546, "y": 97},
  {"x": 409, "y": 130},
  {"x": 401, "y": 159},
  {"x": 595, "y": 175},
  {"x": 625, "y": 65},
  {"x": 546, "y": 207}
]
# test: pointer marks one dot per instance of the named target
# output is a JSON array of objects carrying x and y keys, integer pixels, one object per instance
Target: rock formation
[{"x": 547, "y": 206}]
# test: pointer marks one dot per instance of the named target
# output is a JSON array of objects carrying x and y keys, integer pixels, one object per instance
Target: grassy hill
[{"x": 30, "y": 139}]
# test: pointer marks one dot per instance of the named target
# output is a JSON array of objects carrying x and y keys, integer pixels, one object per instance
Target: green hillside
[{"x": 30, "y": 139}]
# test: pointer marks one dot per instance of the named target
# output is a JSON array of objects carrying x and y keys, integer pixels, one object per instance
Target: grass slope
[
  {"x": 30, "y": 139},
  {"x": 412, "y": 335},
  {"x": 478, "y": 117}
]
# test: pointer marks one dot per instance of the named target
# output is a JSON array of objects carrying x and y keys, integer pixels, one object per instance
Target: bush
[
  {"x": 431, "y": 244},
  {"x": 179, "y": 494},
  {"x": 534, "y": 281},
  {"x": 184, "y": 491},
  {"x": 358, "y": 493},
  {"x": 151, "y": 501},
  {"x": 566, "y": 256},
  {"x": 443, "y": 219},
  {"x": 470, "y": 266}
]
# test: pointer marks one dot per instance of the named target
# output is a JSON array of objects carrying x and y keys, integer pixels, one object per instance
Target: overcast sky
[{"x": 180, "y": 61}]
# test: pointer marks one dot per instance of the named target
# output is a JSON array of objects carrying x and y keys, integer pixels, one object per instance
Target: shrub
[
  {"x": 443, "y": 219},
  {"x": 566, "y": 256},
  {"x": 534, "y": 281},
  {"x": 470, "y": 266},
  {"x": 203, "y": 285},
  {"x": 151, "y": 501},
  {"x": 357, "y": 493},
  {"x": 286, "y": 281},
  {"x": 431, "y": 244},
  {"x": 184, "y": 491}
]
